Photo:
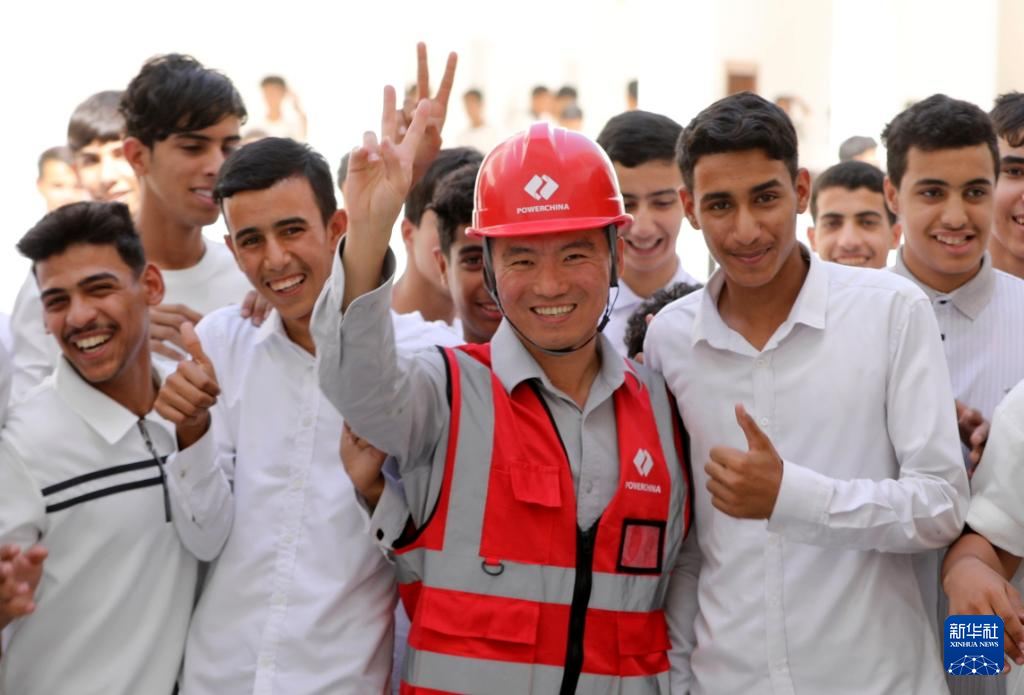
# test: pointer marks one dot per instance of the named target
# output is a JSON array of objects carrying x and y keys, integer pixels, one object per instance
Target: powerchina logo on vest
[{"x": 974, "y": 645}]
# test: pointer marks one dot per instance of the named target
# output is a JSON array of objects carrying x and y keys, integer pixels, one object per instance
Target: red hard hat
[{"x": 545, "y": 180}]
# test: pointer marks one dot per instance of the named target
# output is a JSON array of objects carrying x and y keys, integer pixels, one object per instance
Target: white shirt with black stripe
[{"x": 113, "y": 605}]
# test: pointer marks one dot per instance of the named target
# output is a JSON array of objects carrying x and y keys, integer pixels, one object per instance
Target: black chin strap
[{"x": 490, "y": 283}]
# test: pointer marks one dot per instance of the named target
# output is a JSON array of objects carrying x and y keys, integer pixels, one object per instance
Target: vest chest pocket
[
  {"x": 526, "y": 507},
  {"x": 476, "y": 626}
]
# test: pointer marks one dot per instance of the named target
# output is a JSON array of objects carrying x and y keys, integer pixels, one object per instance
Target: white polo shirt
[
  {"x": 627, "y": 302},
  {"x": 113, "y": 604},
  {"x": 300, "y": 599},
  {"x": 854, "y": 393},
  {"x": 213, "y": 282}
]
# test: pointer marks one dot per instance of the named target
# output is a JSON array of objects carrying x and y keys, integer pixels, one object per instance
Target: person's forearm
[
  {"x": 973, "y": 546},
  {"x": 362, "y": 256}
]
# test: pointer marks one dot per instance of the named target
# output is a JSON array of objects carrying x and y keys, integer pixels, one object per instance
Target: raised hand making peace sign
[
  {"x": 745, "y": 484},
  {"x": 380, "y": 174}
]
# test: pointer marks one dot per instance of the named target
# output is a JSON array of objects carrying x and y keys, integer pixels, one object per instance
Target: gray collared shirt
[{"x": 400, "y": 405}]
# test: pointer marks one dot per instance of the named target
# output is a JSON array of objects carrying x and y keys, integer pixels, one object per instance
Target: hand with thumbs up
[
  {"x": 187, "y": 395},
  {"x": 745, "y": 484}
]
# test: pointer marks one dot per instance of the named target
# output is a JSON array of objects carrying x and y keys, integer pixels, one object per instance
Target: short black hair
[
  {"x": 96, "y": 118},
  {"x": 447, "y": 160},
  {"x": 473, "y": 92},
  {"x": 259, "y": 165},
  {"x": 101, "y": 224},
  {"x": 453, "y": 204},
  {"x": 174, "y": 93},
  {"x": 636, "y": 324},
  {"x": 1008, "y": 117},
  {"x": 854, "y": 146},
  {"x": 343, "y": 170},
  {"x": 567, "y": 92},
  {"x": 61, "y": 153},
  {"x": 273, "y": 80},
  {"x": 637, "y": 137},
  {"x": 936, "y": 123},
  {"x": 851, "y": 176},
  {"x": 538, "y": 90},
  {"x": 739, "y": 122}
]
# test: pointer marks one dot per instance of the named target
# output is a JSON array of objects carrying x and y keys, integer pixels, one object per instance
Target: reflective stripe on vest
[{"x": 490, "y": 579}]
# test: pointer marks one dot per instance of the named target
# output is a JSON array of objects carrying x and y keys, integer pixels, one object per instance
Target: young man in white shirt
[
  {"x": 852, "y": 223},
  {"x": 642, "y": 148},
  {"x": 307, "y": 596},
  {"x": 822, "y": 431},
  {"x": 82, "y": 474},
  {"x": 1006, "y": 245},
  {"x": 943, "y": 162},
  {"x": 181, "y": 121}
]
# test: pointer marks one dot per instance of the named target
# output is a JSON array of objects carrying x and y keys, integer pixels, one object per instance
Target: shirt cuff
[
  {"x": 186, "y": 468},
  {"x": 988, "y": 519},
  {"x": 388, "y": 519},
  {"x": 802, "y": 503}
]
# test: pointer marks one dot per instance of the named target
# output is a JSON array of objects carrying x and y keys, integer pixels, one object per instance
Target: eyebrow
[
  {"x": 198, "y": 137},
  {"x": 653, "y": 194},
  {"x": 471, "y": 248},
  {"x": 759, "y": 188},
  {"x": 96, "y": 277},
  {"x": 1011, "y": 159},
  {"x": 290, "y": 221}
]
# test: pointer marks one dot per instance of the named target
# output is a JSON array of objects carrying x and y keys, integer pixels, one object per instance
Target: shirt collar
[
  {"x": 272, "y": 325},
  {"x": 810, "y": 309},
  {"x": 513, "y": 363},
  {"x": 971, "y": 298},
  {"x": 110, "y": 419}
]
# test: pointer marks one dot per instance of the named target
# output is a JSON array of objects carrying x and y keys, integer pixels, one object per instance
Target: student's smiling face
[
  {"x": 746, "y": 204},
  {"x": 650, "y": 192},
  {"x": 97, "y": 309},
  {"x": 945, "y": 203},
  {"x": 1008, "y": 225}
]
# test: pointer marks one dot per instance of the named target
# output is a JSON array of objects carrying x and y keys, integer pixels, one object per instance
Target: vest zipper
[{"x": 578, "y": 609}]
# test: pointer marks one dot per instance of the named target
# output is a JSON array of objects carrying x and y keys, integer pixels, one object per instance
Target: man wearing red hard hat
[{"x": 546, "y": 496}]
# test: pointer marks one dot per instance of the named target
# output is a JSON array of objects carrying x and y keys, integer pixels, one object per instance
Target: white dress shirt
[
  {"x": 212, "y": 283},
  {"x": 853, "y": 391},
  {"x": 627, "y": 302},
  {"x": 299, "y": 601},
  {"x": 997, "y": 492},
  {"x": 113, "y": 605}
]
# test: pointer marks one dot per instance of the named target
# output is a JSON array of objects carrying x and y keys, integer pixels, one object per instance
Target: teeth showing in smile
[
  {"x": 645, "y": 245},
  {"x": 1019, "y": 219},
  {"x": 287, "y": 283},
  {"x": 554, "y": 310},
  {"x": 204, "y": 192},
  {"x": 951, "y": 239},
  {"x": 92, "y": 343}
]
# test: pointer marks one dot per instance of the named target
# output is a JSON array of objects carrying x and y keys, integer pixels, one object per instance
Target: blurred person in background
[
  {"x": 852, "y": 223},
  {"x": 632, "y": 95},
  {"x": 283, "y": 116},
  {"x": 859, "y": 148},
  {"x": 642, "y": 146},
  {"x": 542, "y": 104},
  {"x": 96, "y": 139},
  {"x": 479, "y": 135},
  {"x": 571, "y": 117},
  {"x": 1006, "y": 244},
  {"x": 57, "y": 181},
  {"x": 421, "y": 291}
]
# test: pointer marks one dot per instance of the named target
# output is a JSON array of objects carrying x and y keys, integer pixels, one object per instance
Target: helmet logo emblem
[{"x": 541, "y": 187}]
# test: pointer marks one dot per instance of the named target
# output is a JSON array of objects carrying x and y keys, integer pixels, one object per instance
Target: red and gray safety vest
[{"x": 506, "y": 593}]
